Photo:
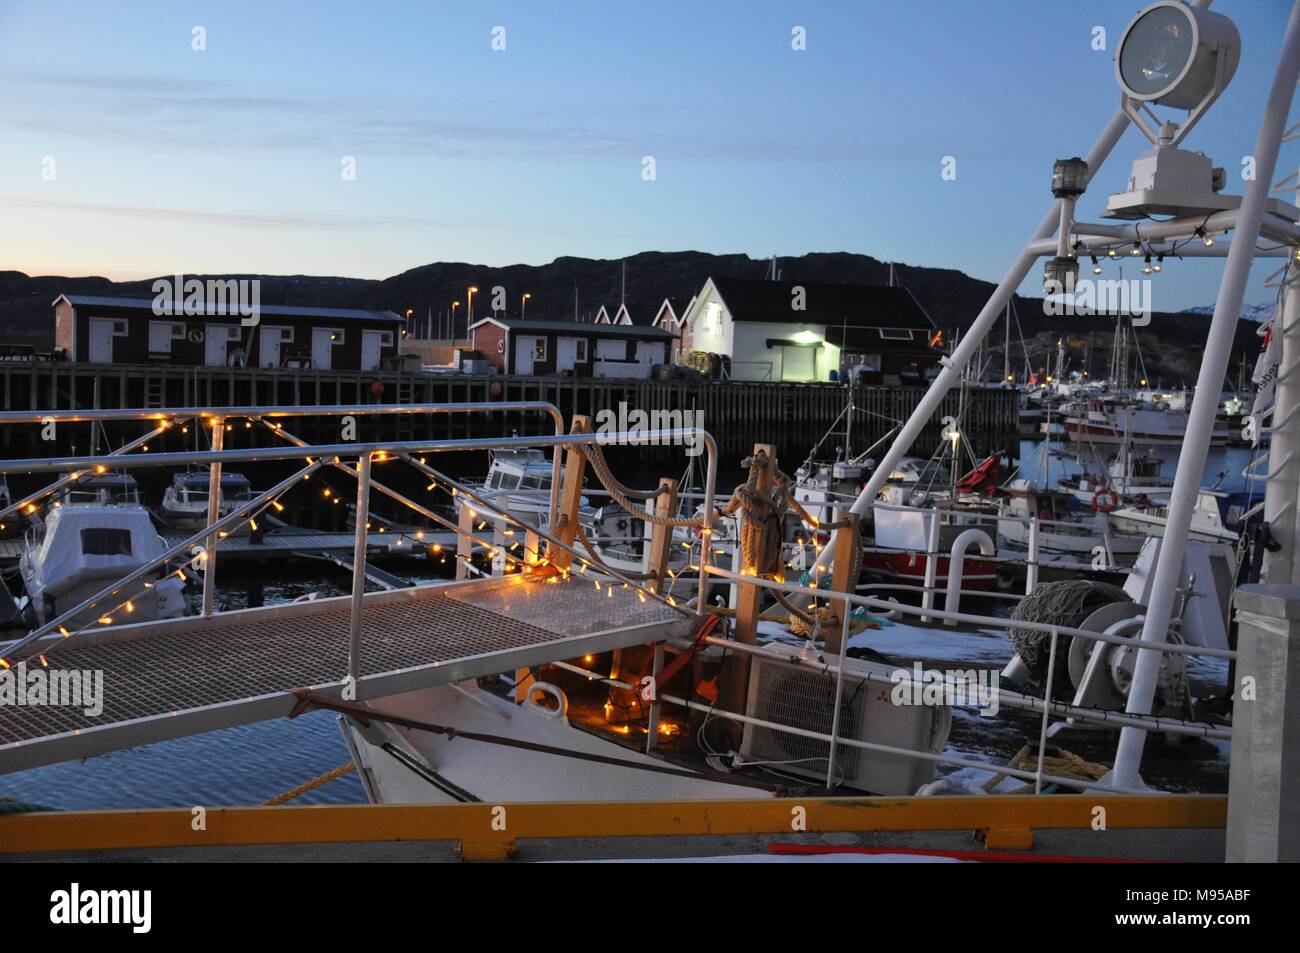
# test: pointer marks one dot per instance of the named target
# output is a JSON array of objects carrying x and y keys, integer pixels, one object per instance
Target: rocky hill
[{"x": 952, "y": 298}]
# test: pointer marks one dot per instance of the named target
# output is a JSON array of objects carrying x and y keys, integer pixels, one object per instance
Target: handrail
[
  {"x": 318, "y": 456},
  {"x": 1045, "y": 628},
  {"x": 295, "y": 410}
]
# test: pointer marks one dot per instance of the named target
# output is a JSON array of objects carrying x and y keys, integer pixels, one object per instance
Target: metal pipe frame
[
  {"x": 359, "y": 567},
  {"x": 953, "y": 365},
  {"x": 318, "y": 456},
  {"x": 1214, "y": 362},
  {"x": 301, "y": 410},
  {"x": 991, "y": 622},
  {"x": 73, "y": 477},
  {"x": 234, "y": 517}
]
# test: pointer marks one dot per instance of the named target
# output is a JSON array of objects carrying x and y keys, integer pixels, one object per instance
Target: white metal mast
[{"x": 1205, "y": 404}]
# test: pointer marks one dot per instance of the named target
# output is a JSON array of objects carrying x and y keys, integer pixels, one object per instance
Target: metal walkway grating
[{"x": 179, "y": 677}]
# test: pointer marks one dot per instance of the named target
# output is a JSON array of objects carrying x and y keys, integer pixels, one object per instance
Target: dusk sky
[{"x": 229, "y": 159}]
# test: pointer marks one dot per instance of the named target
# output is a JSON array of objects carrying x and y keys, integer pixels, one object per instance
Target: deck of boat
[{"x": 180, "y": 677}]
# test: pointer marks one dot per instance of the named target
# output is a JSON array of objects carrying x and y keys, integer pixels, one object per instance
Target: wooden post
[
  {"x": 661, "y": 537},
  {"x": 575, "y": 468},
  {"x": 843, "y": 579},
  {"x": 733, "y": 682},
  {"x": 748, "y": 600}
]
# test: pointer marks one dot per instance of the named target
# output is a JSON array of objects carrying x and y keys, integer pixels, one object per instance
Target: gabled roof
[
  {"x": 867, "y": 306},
  {"x": 602, "y": 316},
  {"x": 675, "y": 312},
  {"x": 577, "y": 329},
  {"x": 266, "y": 310},
  {"x": 623, "y": 316}
]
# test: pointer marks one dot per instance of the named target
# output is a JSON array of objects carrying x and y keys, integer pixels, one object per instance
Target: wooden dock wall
[{"x": 737, "y": 413}]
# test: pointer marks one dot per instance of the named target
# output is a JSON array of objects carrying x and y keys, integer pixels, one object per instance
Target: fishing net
[{"x": 1066, "y": 603}]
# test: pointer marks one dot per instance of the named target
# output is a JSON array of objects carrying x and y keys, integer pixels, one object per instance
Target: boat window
[
  {"x": 106, "y": 542},
  {"x": 509, "y": 481}
]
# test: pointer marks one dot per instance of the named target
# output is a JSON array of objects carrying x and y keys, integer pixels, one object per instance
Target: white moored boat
[
  {"x": 185, "y": 502},
  {"x": 93, "y": 533}
]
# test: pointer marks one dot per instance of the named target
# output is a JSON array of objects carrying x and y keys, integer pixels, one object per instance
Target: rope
[
  {"x": 311, "y": 785},
  {"x": 1063, "y": 764},
  {"x": 623, "y": 495}
]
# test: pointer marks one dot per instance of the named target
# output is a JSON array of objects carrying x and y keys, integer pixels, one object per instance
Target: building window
[
  {"x": 386, "y": 339},
  {"x": 539, "y": 349},
  {"x": 895, "y": 334},
  {"x": 580, "y": 351}
]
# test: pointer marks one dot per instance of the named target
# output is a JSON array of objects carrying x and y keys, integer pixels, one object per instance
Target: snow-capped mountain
[{"x": 1251, "y": 312}]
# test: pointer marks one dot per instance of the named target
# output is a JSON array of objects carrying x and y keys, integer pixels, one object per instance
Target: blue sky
[{"x": 228, "y": 160}]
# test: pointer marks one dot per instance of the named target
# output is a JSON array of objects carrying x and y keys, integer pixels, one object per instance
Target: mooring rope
[{"x": 311, "y": 785}]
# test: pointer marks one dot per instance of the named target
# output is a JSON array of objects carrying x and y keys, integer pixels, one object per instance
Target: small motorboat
[{"x": 185, "y": 502}]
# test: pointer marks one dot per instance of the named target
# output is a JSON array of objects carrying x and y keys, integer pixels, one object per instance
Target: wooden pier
[{"x": 736, "y": 412}]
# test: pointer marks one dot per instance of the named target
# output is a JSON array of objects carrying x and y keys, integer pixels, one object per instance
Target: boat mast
[{"x": 1205, "y": 403}]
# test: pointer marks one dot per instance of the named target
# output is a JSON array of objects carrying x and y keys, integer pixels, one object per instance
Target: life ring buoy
[{"x": 1104, "y": 500}]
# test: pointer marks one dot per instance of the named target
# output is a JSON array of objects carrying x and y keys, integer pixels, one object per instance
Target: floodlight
[{"x": 1177, "y": 56}]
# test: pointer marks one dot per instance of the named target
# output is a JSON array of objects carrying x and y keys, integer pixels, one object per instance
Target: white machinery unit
[{"x": 802, "y": 695}]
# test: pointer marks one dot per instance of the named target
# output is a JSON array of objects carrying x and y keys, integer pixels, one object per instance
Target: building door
[
  {"x": 268, "y": 345},
  {"x": 566, "y": 354},
  {"x": 322, "y": 347},
  {"x": 216, "y": 343},
  {"x": 371, "y": 344},
  {"x": 101, "y": 340},
  {"x": 526, "y": 350},
  {"x": 648, "y": 354},
  {"x": 798, "y": 363}
]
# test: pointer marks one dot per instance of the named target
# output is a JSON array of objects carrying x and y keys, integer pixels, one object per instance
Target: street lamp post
[
  {"x": 523, "y": 306},
  {"x": 470, "y": 319},
  {"x": 451, "y": 331}
]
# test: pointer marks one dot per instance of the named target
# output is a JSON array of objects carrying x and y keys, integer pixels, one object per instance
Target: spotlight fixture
[{"x": 1176, "y": 55}]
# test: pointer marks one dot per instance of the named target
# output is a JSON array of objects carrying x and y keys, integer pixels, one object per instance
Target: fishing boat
[
  {"x": 185, "y": 501},
  {"x": 1106, "y": 421}
]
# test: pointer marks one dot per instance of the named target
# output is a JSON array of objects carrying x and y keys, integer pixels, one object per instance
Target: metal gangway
[{"x": 171, "y": 678}]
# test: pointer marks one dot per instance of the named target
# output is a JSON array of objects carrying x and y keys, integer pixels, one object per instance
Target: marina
[{"x": 783, "y": 570}]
